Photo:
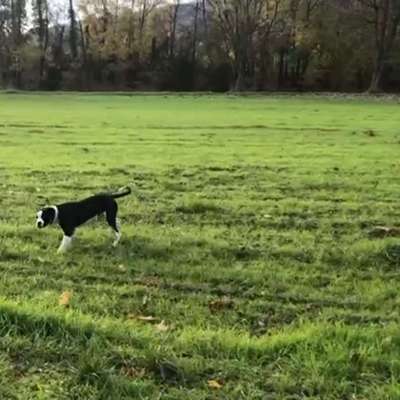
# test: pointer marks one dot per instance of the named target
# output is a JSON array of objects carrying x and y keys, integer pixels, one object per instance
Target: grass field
[{"x": 245, "y": 270}]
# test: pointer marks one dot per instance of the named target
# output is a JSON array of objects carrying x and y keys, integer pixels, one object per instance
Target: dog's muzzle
[{"x": 39, "y": 224}]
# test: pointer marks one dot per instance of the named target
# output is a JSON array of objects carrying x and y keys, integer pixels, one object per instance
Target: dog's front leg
[
  {"x": 117, "y": 238},
  {"x": 65, "y": 244}
]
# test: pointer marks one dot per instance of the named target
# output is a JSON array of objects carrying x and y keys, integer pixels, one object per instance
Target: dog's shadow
[
  {"x": 181, "y": 250},
  {"x": 129, "y": 247}
]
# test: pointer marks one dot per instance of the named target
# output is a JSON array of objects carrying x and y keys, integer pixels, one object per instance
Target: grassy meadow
[{"x": 245, "y": 270}]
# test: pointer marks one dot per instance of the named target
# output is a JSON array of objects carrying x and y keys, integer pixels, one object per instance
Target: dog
[{"x": 73, "y": 214}]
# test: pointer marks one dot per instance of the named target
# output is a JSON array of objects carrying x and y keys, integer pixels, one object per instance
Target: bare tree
[
  {"x": 145, "y": 8},
  {"x": 41, "y": 12},
  {"x": 384, "y": 15},
  {"x": 241, "y": 21},
  {"x": 73, "y": 35},
  {"x": 5, "y": 23},
  {"x": 18, "y": 19},
  {"x": 298, "y": 21},
  {"x": 172, "y": 21},
  {"x": 195, "y": 31}
]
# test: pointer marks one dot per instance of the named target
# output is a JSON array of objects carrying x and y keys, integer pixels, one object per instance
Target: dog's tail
[{"x": 124, "y": 191}]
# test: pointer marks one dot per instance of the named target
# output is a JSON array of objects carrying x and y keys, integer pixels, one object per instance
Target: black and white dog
[{"x": 73, "y": 214}]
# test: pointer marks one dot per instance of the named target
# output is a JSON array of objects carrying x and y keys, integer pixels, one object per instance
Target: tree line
[{"x": 218, "y": 45}]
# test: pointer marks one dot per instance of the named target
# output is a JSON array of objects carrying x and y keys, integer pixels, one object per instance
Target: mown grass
[{"x": 247, "y": 235}]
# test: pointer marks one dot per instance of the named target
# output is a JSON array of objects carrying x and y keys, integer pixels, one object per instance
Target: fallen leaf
[
  {"x": 161, "y": 327},
  {"x": 143, "y": 318},
  {"x": 122, "y": 267},
  {"x": 220, "y": 304},
  {"x": 214, "y": 384},
  {"x": 384, "y": 231},
  {"x": 152, "y": 281},
  {"x": 133, "y": 372},
  {"x": 146, "y": 318},
  {"x": 65, "y": 298}
]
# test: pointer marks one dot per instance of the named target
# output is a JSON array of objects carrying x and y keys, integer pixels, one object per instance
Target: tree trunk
[
  {"x": 73, "y": 40},
  {"x": 240, "y": 82},
  {"x": 84, "y": 46},
  {"x": 41, "y": 70},
  {"x": 375, "y": 85},
  {"x": 281, "y": 72},
  {"x": 173, "y": 24},
  {"x": 387, "y": 20},
  {"x": 131, "y": 28},
  {"x": 195, "y": 28}
]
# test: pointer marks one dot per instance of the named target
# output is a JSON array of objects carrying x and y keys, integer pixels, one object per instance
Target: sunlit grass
[{"x": 247, "y": 235}]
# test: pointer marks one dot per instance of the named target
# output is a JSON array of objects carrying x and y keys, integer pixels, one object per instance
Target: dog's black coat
[{"x": 73, "y": 214}]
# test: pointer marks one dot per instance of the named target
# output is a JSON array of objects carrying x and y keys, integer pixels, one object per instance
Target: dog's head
[{"x": 45, "y": 216}]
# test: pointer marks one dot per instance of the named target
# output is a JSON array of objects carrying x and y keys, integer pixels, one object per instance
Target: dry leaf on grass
[
  {"x": 214, "y": 384},
  {"x": 384, "y": 231},
  {"x": 145, "y": 300},
  {"x": 144, "y": 318},
  {"x": 122, "y": 267},
  {"x": 221, "y": 304},
  {"x": 133, "y": 372},
  {"x": 161, "y": 327},
  {"x": 151, "y": 281},
  {"x": 65, "y": 298}
]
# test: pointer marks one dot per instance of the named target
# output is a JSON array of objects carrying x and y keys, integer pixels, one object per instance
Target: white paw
[{"x": 117, "y": 239}]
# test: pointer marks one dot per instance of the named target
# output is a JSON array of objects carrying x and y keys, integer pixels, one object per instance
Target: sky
[{"x": 62, "y": 5}]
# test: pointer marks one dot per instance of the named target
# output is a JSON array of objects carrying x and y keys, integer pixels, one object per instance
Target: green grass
[{"x": 247, "y": 235}]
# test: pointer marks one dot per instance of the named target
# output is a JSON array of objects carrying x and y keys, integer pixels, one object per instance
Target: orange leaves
[
  {"x": 214, "y": 384},
  {"x": 65, "y": 298},
  {"x": 133, "y": 372},
  {"x": 158, "y": 327},
  {"x": 221, "y": 304},
  {"x": 162, "y": 327}
]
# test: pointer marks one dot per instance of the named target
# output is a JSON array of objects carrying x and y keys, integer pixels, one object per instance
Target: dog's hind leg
[
  {"x": 117, "y": 234},
  {"x": 111, "y": 216}
]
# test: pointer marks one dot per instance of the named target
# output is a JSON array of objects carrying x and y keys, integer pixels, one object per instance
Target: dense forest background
[{"x": 218, "y": 45}]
